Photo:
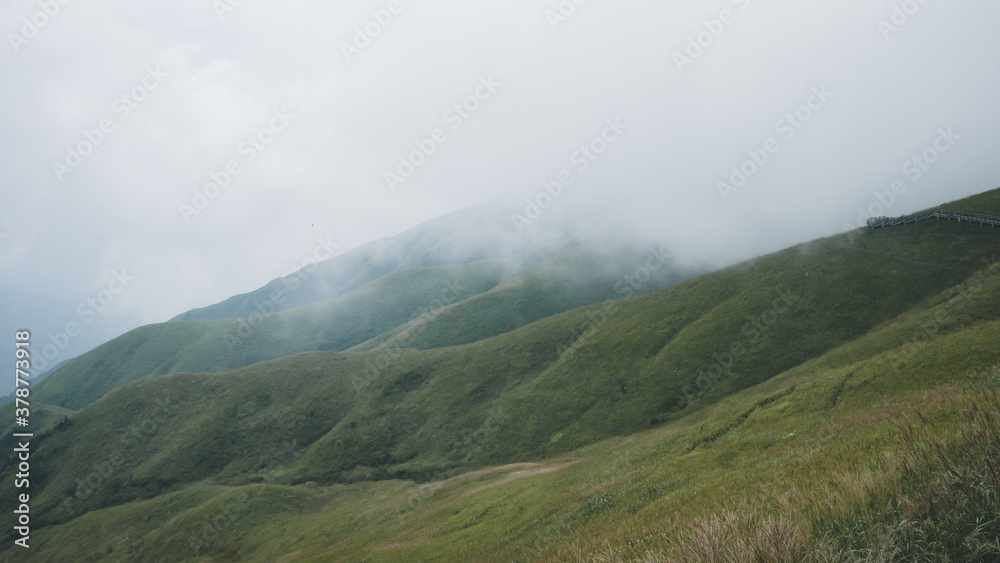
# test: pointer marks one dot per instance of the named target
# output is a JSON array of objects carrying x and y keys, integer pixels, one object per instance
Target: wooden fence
[{"x": 882, "y": 222}]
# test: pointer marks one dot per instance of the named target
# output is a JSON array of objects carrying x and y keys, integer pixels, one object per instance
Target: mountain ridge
[
  {"x": 430, "y": 244},
  {"x": 728, "y": 366}
]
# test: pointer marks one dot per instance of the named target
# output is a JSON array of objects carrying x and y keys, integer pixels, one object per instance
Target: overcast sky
[{"x": 181, "y": 87}]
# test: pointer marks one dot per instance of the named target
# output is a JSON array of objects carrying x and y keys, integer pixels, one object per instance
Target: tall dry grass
[{"x": 933, "y": 496}]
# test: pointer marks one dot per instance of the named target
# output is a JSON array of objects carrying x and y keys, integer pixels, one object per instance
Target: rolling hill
[
  {"x": 793, "y": 402},
  {"x": 516, "y": 290},
  {"x": 474, "y": 234}
]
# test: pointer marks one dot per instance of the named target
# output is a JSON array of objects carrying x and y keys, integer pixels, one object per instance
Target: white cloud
[{"x": 324, "y": 174}]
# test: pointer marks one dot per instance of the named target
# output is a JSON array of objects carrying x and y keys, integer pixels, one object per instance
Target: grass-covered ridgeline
[
  {"x": 901, "y": 466},
  {"x": 525, "y": 288},
  {"x": 835, "y": 401},
  {"x": 222, "y": 345}
]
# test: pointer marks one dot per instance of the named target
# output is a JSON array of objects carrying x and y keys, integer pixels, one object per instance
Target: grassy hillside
[
  {"x": 837, "y": 397},
  {"x": 539, "y": 391},
  {"x": 474, "y": 234},
  {"x": 215, "y": 346},
  {"x": 872, "y": 451},
  {"x": 579, "y": 277},
  {"x": 435, "y": 306},
  {"x": 986, "y": 203}
]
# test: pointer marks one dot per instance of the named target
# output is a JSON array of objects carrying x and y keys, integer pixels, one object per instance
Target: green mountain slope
[
  {"x": 986, "y": 203},
  {"x": 795, "y": 372},
  {"x": 432, "y": 298},
  {"x": 474, "y": 234},
  {"x": 576, "y": 278},
  {"x": 840, "y": 454},
  {"x": 221, "y": 345},
  {"x": 542, "y": 390}
]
